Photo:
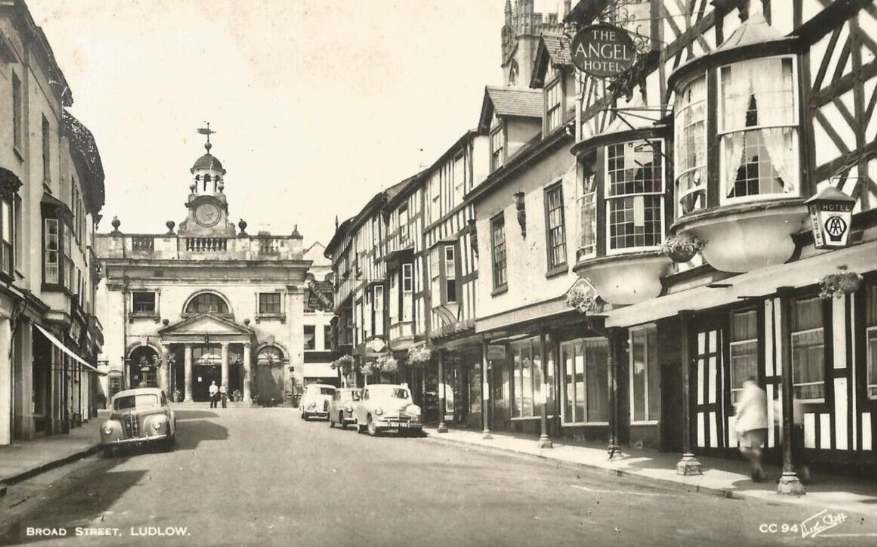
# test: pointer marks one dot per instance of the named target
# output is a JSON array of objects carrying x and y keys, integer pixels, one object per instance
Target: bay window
[
  {"x": 871, "y": 340},
  {"x": 757, "y": 126},
  {"x": 588, "y": 219},
  {"x": 407, "y": 291},
  {"x": 634, "y": 195},
  {"x": 585, "y": 376},
  {"x": 744, "y": 350},
  {"x": 450, "y": 264},
  {"x": 645, "y": 386},
  {"x": 808, "y": 349},
  {"x": 691, "y": 147}
]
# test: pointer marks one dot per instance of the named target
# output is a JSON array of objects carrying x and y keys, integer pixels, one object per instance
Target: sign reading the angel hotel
[{"x": 603, "y": 51}]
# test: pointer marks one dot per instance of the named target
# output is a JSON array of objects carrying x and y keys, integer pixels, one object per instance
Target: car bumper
[
  {"x": 391, "y": 424},
  {"x": 134, "y": 441}
]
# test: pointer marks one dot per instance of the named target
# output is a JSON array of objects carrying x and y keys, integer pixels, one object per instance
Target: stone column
[
  {"x": 688, "y": 465},
  {"x": 247, "y": 376},
  {"x": 485, "y": 391},
  {"x": 442, "y": 428},
  {"x": 164, "y": 369},
  {"x": 225, "y": 364},
  {"x": 544, "y": 440},
  {"x": 188, "y": 373},
  {"x": 789, "y": 482},
  {"x": 6, "y": 383},
  {"x": 614, "y": 362}
]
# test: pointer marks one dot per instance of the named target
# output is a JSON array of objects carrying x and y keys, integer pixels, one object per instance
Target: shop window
[
  {"x": 310, "y": 337},
  {"x": 758, "y": 132},
  {"x": 585, "y": 380},
  {"x": 497, "y": 148},
  {"x": 269, "y": 303},
  {"x": 635, "y": 195},
  {"x": 588, "y": 218},
  {"x": 553, "y": 102},
  {"x": 207, "y": 303},
  {"x": 497, "y": 231},
  {"x": 871, "y": 340},
  {"x": 143, "y": 303},
  {"x": 808, "y": 350},
  {"x": 744, "y": 350},
  {"x": 645, "y": 395},
  {"x": 691, "y": 147},
  {"x": 555, "y": 230}
]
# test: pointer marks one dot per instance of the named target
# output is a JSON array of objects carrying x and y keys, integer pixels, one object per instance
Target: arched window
[
  {"x": 206, "y": 180},
  {"x": 269, "y": 355},
  {"x": 513, "y": 74},
  {"x": 207, "y": 303}
]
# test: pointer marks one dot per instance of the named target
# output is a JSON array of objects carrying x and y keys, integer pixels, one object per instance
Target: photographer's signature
[{"x": 809, "y": 528}]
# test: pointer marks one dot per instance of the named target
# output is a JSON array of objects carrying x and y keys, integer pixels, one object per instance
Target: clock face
[{"x": 207, "y": 214}]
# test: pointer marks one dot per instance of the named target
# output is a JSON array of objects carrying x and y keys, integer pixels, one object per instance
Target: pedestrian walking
[
  {"x": 223, "y": 394},
  {"x": 214, "y": 391},
  {"x": 751, "y": 426}
]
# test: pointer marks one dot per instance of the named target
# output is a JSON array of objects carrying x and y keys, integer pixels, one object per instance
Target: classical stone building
[{"x": 205, "y": 303}]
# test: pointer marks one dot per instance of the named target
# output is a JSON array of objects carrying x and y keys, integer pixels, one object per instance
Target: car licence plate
[{"x": 399, "y": 424}]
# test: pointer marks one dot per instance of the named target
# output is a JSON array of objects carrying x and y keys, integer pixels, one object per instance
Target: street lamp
[{"x": 831, "y": 213}]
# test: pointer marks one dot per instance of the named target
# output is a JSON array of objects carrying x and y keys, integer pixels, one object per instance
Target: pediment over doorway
[{"x": 206, "y": 324}]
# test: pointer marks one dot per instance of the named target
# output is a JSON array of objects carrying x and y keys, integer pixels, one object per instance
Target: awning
[
  {"x": 319, "y": 370},
  {"x": 66, "y": 350}
]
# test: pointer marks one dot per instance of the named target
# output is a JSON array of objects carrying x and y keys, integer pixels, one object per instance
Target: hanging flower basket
[
  {"x": 346, "y": 363},
  {"x": 389, "y": 364},
  {"x": 836, "y": 285},
  {"x": 369, "y": 367},
  {"x": 681, "y": 247},
  {"x": 419, "y": 357},
  {"x": 580, "y": 298}
]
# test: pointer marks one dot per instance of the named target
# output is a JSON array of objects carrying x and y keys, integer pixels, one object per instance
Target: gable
[{"x": 205, "y": 324}]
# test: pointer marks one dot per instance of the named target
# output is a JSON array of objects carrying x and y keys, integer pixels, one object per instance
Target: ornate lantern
[{"x": 831, "y": 214}]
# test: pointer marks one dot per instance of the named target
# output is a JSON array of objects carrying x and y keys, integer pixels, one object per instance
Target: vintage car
[
  {"x": 387, "y": 407},
  {"x": 342, "y": 406},
  {"x": 316, "y": 400},
  {"x": 139, "y": 416}
]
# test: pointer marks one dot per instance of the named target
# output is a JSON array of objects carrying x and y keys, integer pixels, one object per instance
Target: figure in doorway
[
  {"x": 751, "y": 426},
  {"x": 223, "y": 394},
  {"x": 214, "y": 392}
]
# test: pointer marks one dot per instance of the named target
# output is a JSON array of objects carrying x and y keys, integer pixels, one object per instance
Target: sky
[{"x": 317, "y": 104}]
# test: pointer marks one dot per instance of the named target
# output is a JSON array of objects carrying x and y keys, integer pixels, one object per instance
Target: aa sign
[
  {"x": 602, "y": 51},
  {"x": 831, "y": 213}
]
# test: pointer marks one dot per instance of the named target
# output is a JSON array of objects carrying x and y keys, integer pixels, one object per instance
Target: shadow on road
[
  {"x": 192, "y": 431},
  {"x": 183, "y": 415}
]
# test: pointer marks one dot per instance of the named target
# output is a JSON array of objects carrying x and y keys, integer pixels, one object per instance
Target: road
[{"x": 259, "y": 477}]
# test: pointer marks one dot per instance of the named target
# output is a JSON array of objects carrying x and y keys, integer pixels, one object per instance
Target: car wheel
[
  {"x": 331, "y": 423},
  {"x": 372, "y": 427},
  {"x": 359, "y": 428},
  {"x": 341, "y": 422},
  {"x": 304, "y": 416}
]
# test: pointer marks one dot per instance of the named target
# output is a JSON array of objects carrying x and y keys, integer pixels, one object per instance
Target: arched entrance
[
  {"x": 143, "y": 363},
  {"x": 268, "y": 381}
]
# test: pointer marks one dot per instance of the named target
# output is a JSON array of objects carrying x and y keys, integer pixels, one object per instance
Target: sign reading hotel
[{"x": 603, "y": 51}]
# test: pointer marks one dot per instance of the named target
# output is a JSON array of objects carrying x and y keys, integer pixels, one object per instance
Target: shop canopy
[{"x": 66, "y": 350}]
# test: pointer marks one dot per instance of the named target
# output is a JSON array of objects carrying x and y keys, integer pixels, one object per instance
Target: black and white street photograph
[{"x": 435, "y": 273}]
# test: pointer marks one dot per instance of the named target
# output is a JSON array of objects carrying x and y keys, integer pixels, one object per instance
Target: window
[
  {"x": 267, "y": 356},
  {"x": 758, "y": 132},
  {"x": 450, "y": 274},
  {"x": 435, "y": 276},
  {"x": 588, "y": 219},
  {"x": 513, "y": 73},
  {"x": 585, "y": 380},
  {"x": 497, "y": 148},
  {"x": 554, "y": 226},
  {"x": 379, "y": 310},
  {"x": 645, "y": 394},
  {"x": 310, "y": 335},
  {"x": 52, "y": 252},
  {"x": 376, "y": 231},
  {"x": 7, "y": 231},
  {"x": 435, "y": 196},
  {"x": 404, "y": 233},
  {"x": 47, "y": 151},
  {"x": 269, "y": 303},
  {"x": 691, "y": 148},
  {"x": 744, "y": 350},
  {"x": 207, "y": 303},
  {"x": 553, "y": 101},
  {"x": 459, "y": 178},
  {"x": 497, "y": 232},
  {"x": 143, "y": 303},
  {"x": 871, "y": 340},
  {"x": 16, "y": 112},
  {"x": 635, "y": 195},
  {"x": 327, "y": 337},
  {"x": 528, "y": 377},
  {"x": 808, "y": 350},
  {"x": 407, "y": 278}
]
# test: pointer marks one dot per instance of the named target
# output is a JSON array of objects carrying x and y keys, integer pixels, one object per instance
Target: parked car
[
  {"x": 316, "y": 400},
  {"x": 342, "y": 406},
  {"x": 140, "y": 416},
  {"x": 387, "y": 407}
]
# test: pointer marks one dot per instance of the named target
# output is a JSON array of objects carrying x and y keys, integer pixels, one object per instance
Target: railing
[
  {"x": 270, "y": 245},
  {"x": 143, "y": 244},
  {"x": 206, "y": 244}
]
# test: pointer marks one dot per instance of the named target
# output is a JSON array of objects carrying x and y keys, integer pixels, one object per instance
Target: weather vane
[{"x": 207, "y": 131}]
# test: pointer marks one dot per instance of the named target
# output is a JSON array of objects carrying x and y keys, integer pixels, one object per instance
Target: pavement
[
  {"x": 21, "y": 460},
  {"x": 262, "y": 477},
  {"x": 721, "y": 477}
]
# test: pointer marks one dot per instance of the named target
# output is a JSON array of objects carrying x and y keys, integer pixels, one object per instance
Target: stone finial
[
  {"x": 193, "y": 187},
  {"x": 170, "y": 227},
  {"x": 116, "y": 223},
  {"x": 165, "y": 322},
  {"x": 243, "y": 226},
  {"x": 221, "y": 187},
  {"x": 295, "y": 234},
  {"x": 247, "y": 321}
]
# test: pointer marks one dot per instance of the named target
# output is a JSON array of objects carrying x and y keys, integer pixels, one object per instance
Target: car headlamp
[
  {"x": 158, "y": 423},
  {"x": 379, "y": 411},
  {"x": 312, "y": 404},
  {"x": 108, "y": 429},
  {"x": 348, "y": 408}
]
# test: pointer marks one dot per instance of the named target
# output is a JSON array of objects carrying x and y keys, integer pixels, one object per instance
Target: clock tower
[{"x": 207, "y": 204}]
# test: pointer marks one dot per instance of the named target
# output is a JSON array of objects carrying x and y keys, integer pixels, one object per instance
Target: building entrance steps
[
  {"x": 24, "y": 459},
  {"x": 721, "y": 477}
]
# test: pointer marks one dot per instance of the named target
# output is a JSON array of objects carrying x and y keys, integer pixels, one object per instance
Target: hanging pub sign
[
  {"x": 831, "y": 213},
  {"x": 603, "y": 50}
]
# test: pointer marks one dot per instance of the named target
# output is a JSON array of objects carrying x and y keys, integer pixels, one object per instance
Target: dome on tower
[{"x": 208, "y": 161}]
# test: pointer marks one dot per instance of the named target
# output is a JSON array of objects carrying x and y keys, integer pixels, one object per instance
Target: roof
[
  {"x": 208, "y": 161},
  {"x": 510, "y": 102},
  {"x": 86, "y": 156},
  {"x": 754, "y": 30},
  {"x": 550, "y": 52}
]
